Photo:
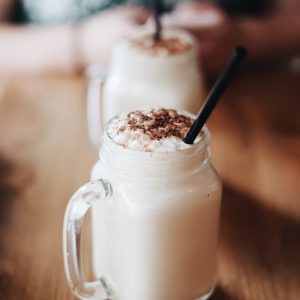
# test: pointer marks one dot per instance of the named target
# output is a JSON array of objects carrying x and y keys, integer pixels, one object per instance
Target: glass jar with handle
[
  {"x": 155, "y": 218},
  {"x": 144, "y": 76}
]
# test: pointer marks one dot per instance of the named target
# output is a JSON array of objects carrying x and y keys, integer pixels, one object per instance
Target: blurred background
[
  {"x": 66, "y": 36},
  {"x": 45, "y": 152}
]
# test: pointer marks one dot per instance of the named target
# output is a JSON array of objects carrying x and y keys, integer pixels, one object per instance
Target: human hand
[
  {"x": 215, "y": 32},
  {"x": 101, "y": 32}
]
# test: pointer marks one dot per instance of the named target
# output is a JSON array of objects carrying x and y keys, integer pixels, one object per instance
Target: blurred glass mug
[
  {"x": 155, "y": 219},
  {"x": 141, "y": 75}
]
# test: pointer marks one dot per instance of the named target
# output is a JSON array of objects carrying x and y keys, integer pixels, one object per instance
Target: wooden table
[{"x": 45, "y": 155}]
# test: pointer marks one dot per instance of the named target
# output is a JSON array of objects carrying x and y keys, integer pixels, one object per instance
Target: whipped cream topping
[{"x": 151, "y": 130}]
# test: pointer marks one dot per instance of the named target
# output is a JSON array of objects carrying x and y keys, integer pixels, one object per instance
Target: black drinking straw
[
  {"x": 215, "y": 94},
  {"x": 157, "y": 9}
]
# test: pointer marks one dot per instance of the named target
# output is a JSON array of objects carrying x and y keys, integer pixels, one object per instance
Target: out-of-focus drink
[{"x": 146, "y": 73}]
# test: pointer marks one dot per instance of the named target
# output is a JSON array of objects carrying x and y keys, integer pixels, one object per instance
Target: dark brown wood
[{"x": 45, "y": 155}]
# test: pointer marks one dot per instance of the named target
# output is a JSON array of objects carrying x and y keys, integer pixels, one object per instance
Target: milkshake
[
  {"x": 144, "y": 72},
  {"x": 155, "y": 212},
  {"x": 156, "y": 238}
]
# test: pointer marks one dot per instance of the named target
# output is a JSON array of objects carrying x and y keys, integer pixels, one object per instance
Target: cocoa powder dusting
[
  {"x": 159, "y": 123},
  {"x": 171, "y": 45}
]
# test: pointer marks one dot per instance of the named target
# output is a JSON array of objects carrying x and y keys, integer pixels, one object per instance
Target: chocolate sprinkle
[{"x": 159, "y": 124}]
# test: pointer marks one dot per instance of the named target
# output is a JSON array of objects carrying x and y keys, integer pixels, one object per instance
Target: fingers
[{"x": 201, "y": 19}]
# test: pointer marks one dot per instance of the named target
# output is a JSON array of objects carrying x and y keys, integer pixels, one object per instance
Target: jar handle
[
  {"x": 95, "y": 107},
  {"x": 78, "y": 205}
]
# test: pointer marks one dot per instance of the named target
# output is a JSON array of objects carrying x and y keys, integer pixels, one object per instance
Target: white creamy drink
[
  {"x": 145, "y": 73},
  {"x": 156, "y": 237},
  {"x": 148, "y": 73}
]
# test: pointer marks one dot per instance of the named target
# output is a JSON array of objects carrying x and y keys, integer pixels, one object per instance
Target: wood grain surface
[{"x": 45, "y": 155}]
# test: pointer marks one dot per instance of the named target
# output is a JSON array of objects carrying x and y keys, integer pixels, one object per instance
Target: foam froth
[{"x": 150, "y": 130}]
